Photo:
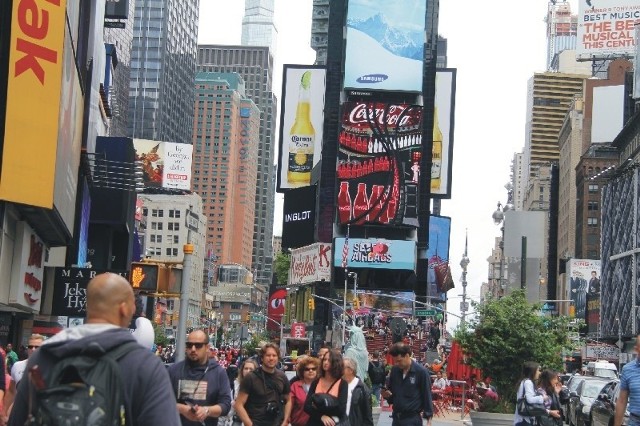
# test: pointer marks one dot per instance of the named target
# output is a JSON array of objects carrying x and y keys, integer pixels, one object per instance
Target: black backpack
[
  {"x": 377, "y": 374},
  {"x": 82, "y": 389}
]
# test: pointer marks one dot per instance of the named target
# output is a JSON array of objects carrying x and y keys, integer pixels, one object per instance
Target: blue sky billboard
[
  {"x": 438, "y": 251},
  {"x": 385, "y": 45}
]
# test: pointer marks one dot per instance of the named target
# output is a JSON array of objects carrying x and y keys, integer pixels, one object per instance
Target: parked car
[
  {"x": 604, "y": 407},
  {"x": 571, "y": 385},
  {"x": 581, "y": 399}
]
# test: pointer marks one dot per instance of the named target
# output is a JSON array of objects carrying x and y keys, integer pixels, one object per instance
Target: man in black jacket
[
  {"x": 408, "y": 389},
  {"x": 110, "y": 307}
]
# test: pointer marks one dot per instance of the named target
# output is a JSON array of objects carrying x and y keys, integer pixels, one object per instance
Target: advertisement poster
[
  {"x": 301, "y": 124},
  {"x": 299, "y": 217},
  {"x": 443, "y": 126},
  {"x": 388, "y": 303},
  {"x": 584, "y": 279},
  {"x": 379, "y": 157},
  {"x": 385, "y": 45},
  {"x": 310, "y": 264},
  {"x": 438, "y": 251},
  {"x": 376, "y": 253},
  {"x": 164, "y": 164},
  {"x": 606, "y": 27}
]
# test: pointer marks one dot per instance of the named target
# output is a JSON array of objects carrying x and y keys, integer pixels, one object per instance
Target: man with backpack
[
  {"x": 200, "y": 384},
  {"x": 377, "y": 375},
  {"x": 96, "y": 373}
]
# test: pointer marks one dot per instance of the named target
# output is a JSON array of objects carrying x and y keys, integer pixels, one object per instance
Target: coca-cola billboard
[
  {"x": 379, "y": 162},
  {"x": 310, "y": 264}
]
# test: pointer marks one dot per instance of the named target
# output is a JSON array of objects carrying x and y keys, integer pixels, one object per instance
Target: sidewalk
[{"x": 452, "y": 418}]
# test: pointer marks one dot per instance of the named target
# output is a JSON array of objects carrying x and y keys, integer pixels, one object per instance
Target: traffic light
[
  {"x": 356, "y": 303},
  {"x": 248, "y": 316},
  {"x": 311, "y": 303},
  {"x": 144, "y": 276}
]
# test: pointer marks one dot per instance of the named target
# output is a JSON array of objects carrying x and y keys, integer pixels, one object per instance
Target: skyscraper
[
  {"x": 225, "y": 146},
  {"x": 258, "y": 28},
  {"x": 255, "y": 65},
  {"x": 562, "y": 30},
  {"x": 163, "y": 62}
]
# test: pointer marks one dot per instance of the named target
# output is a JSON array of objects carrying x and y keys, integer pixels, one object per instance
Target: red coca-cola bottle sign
[
  {"x": 361, "y": 205},
  {"x": 345, "y": 213}
]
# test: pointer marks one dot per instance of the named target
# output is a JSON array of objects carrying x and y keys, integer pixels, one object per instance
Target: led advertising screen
[
  {"x": 378, "y": 170},
  {"x": 385, "y": 45},
  {"x": 299, "y": 217},
  {"x": 443, "y": 124},
  {"x": 606, "y": 27},
  {"x": 301, "y": 124},
  {"x": 164, "y": 164},
  {"x": 376, "y": 253}
]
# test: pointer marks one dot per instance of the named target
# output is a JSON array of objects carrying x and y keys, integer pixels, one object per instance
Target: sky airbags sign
[{"x": 377, "y": 253}]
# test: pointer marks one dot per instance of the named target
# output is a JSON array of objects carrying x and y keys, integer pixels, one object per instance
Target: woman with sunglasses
[
  {"x": 307, "y": 370},
  {"x": 330, "y": 382}
]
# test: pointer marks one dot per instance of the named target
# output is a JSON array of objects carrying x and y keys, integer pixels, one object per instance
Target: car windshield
[
  {"x": 591, "y": 390},
  {"x": 573, "y": 384},
  {"x": 603, "y": 372}
]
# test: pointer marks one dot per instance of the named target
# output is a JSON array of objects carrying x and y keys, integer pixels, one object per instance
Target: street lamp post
[
  {"x": 498, "y": 219},
  {"x": 464, "y": 263}
]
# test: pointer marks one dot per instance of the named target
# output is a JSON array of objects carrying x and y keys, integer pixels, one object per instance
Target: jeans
[{"x": 375, "y": 389}]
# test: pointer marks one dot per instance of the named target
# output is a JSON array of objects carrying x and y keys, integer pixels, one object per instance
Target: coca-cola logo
[
  {"x": 383, "y": 114},
  {"x": 372, "y": 78}
]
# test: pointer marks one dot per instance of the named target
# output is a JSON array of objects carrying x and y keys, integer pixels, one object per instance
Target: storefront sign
[
  {"x": 310, "y": 264},
  {"x": 27, "y": 271},
  {"x": 298, "y": 330},
  {"x": 70, "y": 290}
]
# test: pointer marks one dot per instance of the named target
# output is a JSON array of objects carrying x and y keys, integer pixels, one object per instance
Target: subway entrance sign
[{"x": 425, "y": 312}]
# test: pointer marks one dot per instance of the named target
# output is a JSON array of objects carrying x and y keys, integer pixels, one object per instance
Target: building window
[
  {"x": 175, "y": 213},
  {"x": 176, "y": 239},
  {"x": 236, "y": 306},
  {"x": 592, "y": 221},
  {"x": 156, "y": 238},
  {"x": 157, "y": 213},
  {"x": 593, "y": 187},
  {"x": 174, "y": 226},
  {"x": 156, "y": 226},
  {"x": 592, "y": 205}
]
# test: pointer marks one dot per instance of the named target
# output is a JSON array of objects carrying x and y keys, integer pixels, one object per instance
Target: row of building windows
[
  {"x": 157, "y": 238},
  {"x": 157, "y": 251},
  {"x": 171, "y": 226}
]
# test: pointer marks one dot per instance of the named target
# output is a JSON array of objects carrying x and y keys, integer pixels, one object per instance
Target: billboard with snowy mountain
[{"x": 385, "y": 45}]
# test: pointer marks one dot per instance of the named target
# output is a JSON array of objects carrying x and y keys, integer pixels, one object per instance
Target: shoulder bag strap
[{"x": 330, "y": 387}]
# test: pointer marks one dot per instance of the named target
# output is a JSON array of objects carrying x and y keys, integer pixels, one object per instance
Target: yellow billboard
[{"x": 33, "y": 102}]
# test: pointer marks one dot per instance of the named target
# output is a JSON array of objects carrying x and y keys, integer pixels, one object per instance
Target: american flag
[{"x": 345, "y": 249}]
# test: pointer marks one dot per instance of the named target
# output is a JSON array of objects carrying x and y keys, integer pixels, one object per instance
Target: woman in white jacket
[
  {"x": 245, "y": 368},
  {"x": 531, "y": 373}
]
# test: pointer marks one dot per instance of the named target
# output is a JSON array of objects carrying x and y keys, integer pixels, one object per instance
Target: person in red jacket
[{"x": 307, "y": 371}]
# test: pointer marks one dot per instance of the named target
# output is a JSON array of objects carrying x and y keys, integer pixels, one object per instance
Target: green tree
[
  {"x": 255, "y": 342},
  {"x": 160, "y": 338},
  {"x": 281, "y": 266},
  {"x": 507, "y": 332}
]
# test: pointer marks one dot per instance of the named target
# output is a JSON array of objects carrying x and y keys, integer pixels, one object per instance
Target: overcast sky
[{"x": 496, "y": 47}]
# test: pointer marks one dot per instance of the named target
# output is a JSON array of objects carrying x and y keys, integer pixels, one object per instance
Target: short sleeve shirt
[
  {"x": 263, "y": 388},
  {"x": 630, "y": 381}
]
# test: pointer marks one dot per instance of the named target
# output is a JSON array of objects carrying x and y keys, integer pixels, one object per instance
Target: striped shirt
[{"x": 630, "y": 381}]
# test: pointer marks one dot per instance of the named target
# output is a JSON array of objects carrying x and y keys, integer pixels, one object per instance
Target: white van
[{"x": 602, "y": 368}]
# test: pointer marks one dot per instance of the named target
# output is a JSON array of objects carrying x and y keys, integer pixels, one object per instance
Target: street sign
[
  {"x": 425, "y": 312},
  {"x": 257, "y": 317},
  {"x": 192, "y": 221}
]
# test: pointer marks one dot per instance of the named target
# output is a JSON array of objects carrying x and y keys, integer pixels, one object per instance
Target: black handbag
[
  {"x": 326, "y": 403},
  {"x": 526, "y": 409}
]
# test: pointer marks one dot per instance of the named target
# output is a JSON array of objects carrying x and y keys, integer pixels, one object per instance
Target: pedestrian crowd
[{"x": 98, "y": 373}]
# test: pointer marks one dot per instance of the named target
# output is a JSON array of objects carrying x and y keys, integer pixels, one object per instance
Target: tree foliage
[
  {"x": 281, "y": 268},
  {"x": 255, "y": 342},
  {"x": 160, "y": 338},
  {"x": 508, "y": 332}
]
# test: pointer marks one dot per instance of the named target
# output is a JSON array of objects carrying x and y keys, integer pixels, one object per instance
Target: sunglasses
[
  {"x": 33, "y": 346},
  {"x": 310, "y": 369},
  {"x": 198, "y": 345}
]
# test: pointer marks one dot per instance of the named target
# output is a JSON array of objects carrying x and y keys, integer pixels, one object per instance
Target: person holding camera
[
  {"x": 264, "y": 395},
  {"x": 201, "y": 386}
]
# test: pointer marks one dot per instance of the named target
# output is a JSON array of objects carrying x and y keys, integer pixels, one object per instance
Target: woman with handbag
[
  {"x": 307, "y": 370},
  {"x": 550, "y": 386},
  {"x": 326, "y": 401},
  {"x": 527, "y": 392}
]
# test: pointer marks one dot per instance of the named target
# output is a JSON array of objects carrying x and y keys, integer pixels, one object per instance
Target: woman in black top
[{"x": 330, "y": 381}]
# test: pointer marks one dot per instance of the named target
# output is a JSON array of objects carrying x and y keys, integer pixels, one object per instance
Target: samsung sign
[{"x": 299, "y": 217}]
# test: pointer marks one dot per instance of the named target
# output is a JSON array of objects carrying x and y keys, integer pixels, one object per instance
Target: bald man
[{"x": 110, "y": 307}]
